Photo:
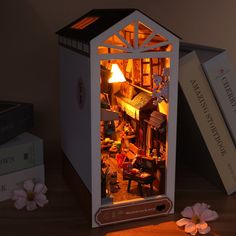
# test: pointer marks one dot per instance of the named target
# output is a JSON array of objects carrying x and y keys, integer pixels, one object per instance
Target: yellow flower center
[
  {"x": 30, "y": 196},
  {"x": 195, "y": 219}
]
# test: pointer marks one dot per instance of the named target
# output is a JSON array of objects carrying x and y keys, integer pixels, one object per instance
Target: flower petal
[
  {"x": 203, "y": 225},
  {"x": 205, "y": 230},
  {"x": 183, "y": 222},
  {"x": 29, "y": 185},
  {"x": 20, "y": 203},
  {"x": 187, "y": 212},
  {"x": 40, "y": 188},
  {"x": 31, "y": 205},
  {"x": 199, "y": 208},
  {"x": 209, "y": 215},
  {"x": 19, "y": 193},
  {"x": 190, "y": 228},
  {"x": 41, "y": 199}
]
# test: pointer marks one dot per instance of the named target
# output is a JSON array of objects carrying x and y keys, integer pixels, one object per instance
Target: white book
[
  {"x": 222, "y": 79},
  {"x": 209, "y": 119},
  {"x": 22, "y": 152},
  {"x": 15, "y": 180}
]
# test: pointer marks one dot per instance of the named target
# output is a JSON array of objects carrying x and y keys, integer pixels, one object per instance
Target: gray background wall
[{"x": 29, "y": 51}]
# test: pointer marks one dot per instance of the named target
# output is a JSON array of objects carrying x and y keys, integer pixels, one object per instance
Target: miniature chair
[
  {"x": 143, "y": 172},
  {"x": 133, "y": 151}
]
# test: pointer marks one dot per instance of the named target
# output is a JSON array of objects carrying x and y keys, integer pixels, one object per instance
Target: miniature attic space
[{"x": 118, "y": 75}]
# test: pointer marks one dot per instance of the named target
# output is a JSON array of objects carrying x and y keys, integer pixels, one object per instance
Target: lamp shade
[{"x": 117, "y": 75}]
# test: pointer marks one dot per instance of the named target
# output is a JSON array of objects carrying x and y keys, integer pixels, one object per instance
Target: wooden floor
[
  {"x": 63, "y": 216},
  {"x": 121, "y": 194}
]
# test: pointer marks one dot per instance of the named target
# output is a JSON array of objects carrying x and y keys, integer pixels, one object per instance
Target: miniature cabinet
[{"x": 118, "y": 103}]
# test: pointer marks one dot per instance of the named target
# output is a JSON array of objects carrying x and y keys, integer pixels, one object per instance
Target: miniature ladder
[{"x": 143, "y": 73}]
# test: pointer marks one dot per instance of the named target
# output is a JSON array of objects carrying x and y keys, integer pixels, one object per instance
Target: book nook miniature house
[{"x": 118, "y": 73}]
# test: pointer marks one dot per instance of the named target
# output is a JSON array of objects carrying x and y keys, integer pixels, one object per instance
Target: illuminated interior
[{"x": 134, "y": 116}]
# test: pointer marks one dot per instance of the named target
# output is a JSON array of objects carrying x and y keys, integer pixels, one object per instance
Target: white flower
[
  {"x": 31, "y": 196},
  {"x": 157, "y": 79},
  {"x": 166, "y": 71},
  {"x": 154, "y": 93},
  {"x": 195, "y": 218},
  {"x": 165, "y": 92}
]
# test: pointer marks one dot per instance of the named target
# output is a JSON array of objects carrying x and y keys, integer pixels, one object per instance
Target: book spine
[
  {"x": 222, "y": 80},
  {"x": 209, "y": 119},
  {"x": 15, "y": 120},
  {"x": 15, "y": 180},
  {"x": 23, "y": 156}
]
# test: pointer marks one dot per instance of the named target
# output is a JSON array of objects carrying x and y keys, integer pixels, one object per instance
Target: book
[
  {"x": 221, "y": 77},
  {"x": 15, "y": 180},
  {"x": 15, "y": 118},
  {"x": 208, "y": 117},
  {"x": 191, "y": 147},
  {"x": 22, "y": 152}
]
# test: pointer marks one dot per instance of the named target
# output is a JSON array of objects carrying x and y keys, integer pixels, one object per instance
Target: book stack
[
  {"x": 21, "y": 153},
  {"x": 206, "y": 115}
]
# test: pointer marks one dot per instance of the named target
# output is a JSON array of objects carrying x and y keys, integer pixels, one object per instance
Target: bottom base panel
[{"x": 133, "y": 211}]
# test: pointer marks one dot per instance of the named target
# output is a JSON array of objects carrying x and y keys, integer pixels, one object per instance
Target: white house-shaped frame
[{"x": 81, "y": 59}]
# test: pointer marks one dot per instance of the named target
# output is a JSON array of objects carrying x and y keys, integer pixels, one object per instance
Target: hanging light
[{"x": 117, "y": 75}]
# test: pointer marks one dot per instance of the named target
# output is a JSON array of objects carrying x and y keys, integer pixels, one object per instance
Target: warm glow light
[
  {"x": 84, "y": 22},
  {"x": 117, "y": 75},
  {"x": 163, "y": 107}
]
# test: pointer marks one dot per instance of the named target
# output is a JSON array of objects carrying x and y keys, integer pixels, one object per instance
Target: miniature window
[
  {"x": 85, "y": 22},
  {"x": 135, "y": 37}
]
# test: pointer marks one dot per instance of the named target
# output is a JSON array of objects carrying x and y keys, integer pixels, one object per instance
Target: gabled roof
[
  {"x": 95, "y": 22},
  {"x": 98, "y": 21}
]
